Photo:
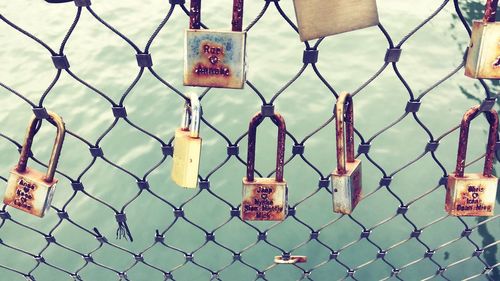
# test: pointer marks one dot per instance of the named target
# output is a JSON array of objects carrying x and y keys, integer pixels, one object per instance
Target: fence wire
[{"x": 483, "y": 256}]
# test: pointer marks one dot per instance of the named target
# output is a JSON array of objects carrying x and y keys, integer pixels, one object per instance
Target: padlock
[
  {"x": 215, "y": 58},
  {"x": 28, "y": 189},
  {"x": 320, "y": 18},
  {"x": 483, "y": 55},
  {"x": 473, "y": 194},
  {"x": 265, "y": 199},
  {"x": 346, "y": 179},
  {"x": 187, "y": 149}
]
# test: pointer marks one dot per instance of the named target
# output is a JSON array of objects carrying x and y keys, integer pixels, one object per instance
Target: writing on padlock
[
  {"x": 473, "y": 194},
  {"x": 483, "y": 55},
  {"x": 187, "y": 146},
  {"x": 215, "y": 58},
  {"x": 30, "y": 190},
  {"x": 265, "y": 199},
  {"x": 346, "y": 178},
  {"x": 320, "y": 18}
]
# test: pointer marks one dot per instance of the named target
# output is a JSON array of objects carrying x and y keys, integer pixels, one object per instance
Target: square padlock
[
  {"x": 29, "y": 192},
  {"x": 187, "y": 145},
  {"x": 264, "y": 199},
  {"x": 320, "y": 18},
  {"x": 214, "y": 58},
  {"x": 347, "y": 188},
  {"x": 186, "y": 159},
  {"x": 483, "y": 57},
  {"x": 471, "y": 195}
]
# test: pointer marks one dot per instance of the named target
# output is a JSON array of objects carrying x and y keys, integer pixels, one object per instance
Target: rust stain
[
  {"x": 492, "y": 117},
  {"x": 345, "y": 141},
  {"x": 356, "y": 188},
  {"x": 252, "y": 140},
  {"x": 490, "y": 11}
]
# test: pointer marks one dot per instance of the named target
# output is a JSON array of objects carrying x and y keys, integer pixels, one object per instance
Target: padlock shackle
[
  {"x": 490, "y": 11},
  {"x": 492, "y": 117},
  {"x": 191, "y": 116},
  {"x": 56, "y": 150},
  {"x": 252, "y": 139},
  {"x": 195, "y": 15},
  {"x": 237, "y": 21},
  {"x": 345, "y": 141}
]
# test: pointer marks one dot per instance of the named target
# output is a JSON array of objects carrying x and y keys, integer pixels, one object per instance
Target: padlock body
[
  {"x": 186, "y": 159},
  {"x": 471, "y": 195},
  {"x": 264, "y": 199},
  {"x": 320, "y": 18},
  {"x": 347, "y": 188},
  {"x": 29, "y": 192},
  {"x": 215, "y": 58},
  {"x": 483, "y": 57}
]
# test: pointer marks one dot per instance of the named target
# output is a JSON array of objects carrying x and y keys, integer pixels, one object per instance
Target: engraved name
[
  {"x": 262, "y": 204},
  {"x": 24, "y": 194},
  {"x": 471, "y": 200},
  {"x": 214, "y": 55}
]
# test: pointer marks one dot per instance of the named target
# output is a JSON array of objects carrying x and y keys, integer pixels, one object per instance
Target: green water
[{"x": 275, "y": 56}]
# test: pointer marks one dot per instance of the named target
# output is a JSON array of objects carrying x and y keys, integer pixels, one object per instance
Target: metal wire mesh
[{"x": 241, "y": 251}]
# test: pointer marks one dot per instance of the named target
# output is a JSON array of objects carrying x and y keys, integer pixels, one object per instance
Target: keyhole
[{"x": 496, "y": 63}]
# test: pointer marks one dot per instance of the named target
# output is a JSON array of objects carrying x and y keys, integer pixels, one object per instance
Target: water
[{"x": 274, "y": 54}]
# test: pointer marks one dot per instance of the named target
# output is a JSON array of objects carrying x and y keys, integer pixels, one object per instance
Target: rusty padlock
[
  {"x": 265, "y": 199},
  {"x": 215, "y": 58},
  {"x": 28, "y": 189},
  {"x": 320, "y": 18},
  {"x": 346, "y": 179},
  {"x": 483, "y": 56},
  {"x": 473, "y": 194},
  {"x": 187, "y": 149}
]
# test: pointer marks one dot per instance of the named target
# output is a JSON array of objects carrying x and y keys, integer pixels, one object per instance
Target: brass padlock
[
  {"x": 483, "y": 56},
  {"x": 265, "y": 199},
  {"x": 320, "y": 18},
  {"x": 473, "y": 194},
  {"x": 187, "y": 149},
  {"x": 215, "y": 58},
  {"x": 346, "y": 179},
  {"x": 29, "y": 190}
]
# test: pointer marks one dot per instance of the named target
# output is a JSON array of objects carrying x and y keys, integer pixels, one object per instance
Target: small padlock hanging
[
  {"x": 320, "y": 18},
  {"x": 187, "y": 145},
  {"x": 346, "y": 178},
  {"x": 473, "y": 194},
  {"x": 215, "y": 58},
  {"x": 265, "y": 199},
  {"x": 28, "y": 189},
  {"x": 483, "y": 55}
]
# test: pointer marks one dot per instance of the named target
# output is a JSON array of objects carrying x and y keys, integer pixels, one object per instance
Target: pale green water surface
[{"x": 105, "y": 61}]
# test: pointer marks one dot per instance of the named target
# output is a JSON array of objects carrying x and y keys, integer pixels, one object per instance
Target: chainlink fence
[{"x": 393, "y": 233}]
